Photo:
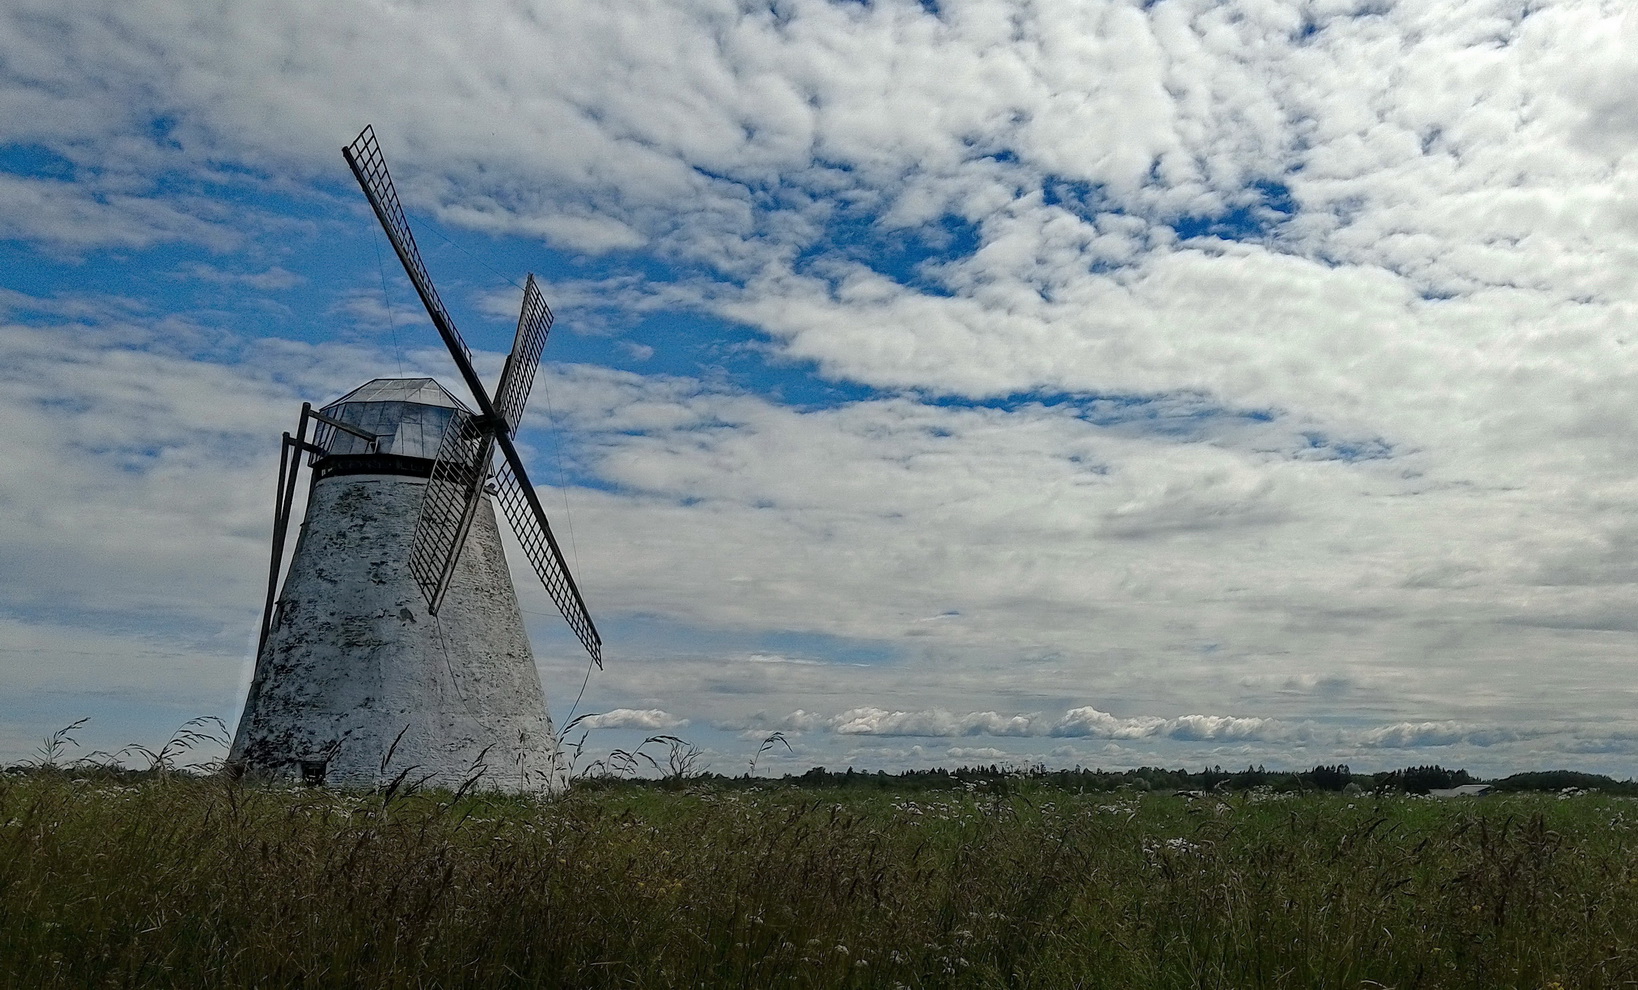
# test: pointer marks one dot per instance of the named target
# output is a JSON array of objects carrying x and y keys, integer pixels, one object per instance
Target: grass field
[{"x": 165, "y": 880}]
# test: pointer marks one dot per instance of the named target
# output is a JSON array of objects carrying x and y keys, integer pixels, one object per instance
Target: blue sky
[{"x": 1100, "y": 384}]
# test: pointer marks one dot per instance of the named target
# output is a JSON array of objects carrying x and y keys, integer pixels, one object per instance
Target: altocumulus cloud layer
[{"x": 1087, "y": 382}]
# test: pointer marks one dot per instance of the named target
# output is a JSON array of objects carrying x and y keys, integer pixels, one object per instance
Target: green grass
[{"x": 170, "y": 881}]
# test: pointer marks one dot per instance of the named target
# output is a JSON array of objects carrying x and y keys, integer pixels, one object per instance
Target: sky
[{"x": 959, "y": 382}]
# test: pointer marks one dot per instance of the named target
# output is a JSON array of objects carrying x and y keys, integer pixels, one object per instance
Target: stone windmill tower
[{"x": 396, "y": 647}]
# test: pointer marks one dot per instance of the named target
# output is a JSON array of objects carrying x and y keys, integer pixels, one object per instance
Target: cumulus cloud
[
  {"x": 649, "y": 719},
  {"x": 876, "y": 722},
  {"x": 1094, "y": 724},
  {"x": 1085, "y": 722},
  {"x": 1270, "y": 737},
  {"x": 1413, "y": 735}
]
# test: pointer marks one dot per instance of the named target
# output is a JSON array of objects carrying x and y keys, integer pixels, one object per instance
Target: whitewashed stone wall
[{"x": 354, "y": 661}]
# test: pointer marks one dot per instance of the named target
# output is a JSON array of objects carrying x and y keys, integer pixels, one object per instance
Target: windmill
[{"x": 395, "y": 648}]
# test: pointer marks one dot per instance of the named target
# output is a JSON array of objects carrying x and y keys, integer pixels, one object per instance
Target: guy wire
[
  {"x": 498, "y": 273},
  {"x": 386, "y": 300},
  {"x": 568, "y": 519},
  {"x": 557, "y": 448}
]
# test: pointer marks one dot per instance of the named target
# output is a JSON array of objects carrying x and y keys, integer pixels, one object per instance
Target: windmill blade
[
  {"x": 518, "y": 378},
  {"x": 528, "y": 519},
  {"x": 370, "y": 168},
  {"x": 449, "y": 505},
  {"x": 457, "y": 478}
]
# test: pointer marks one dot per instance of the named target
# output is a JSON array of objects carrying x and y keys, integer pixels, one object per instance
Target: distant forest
[
  {"x": 1338, "y": 777},
  {"x": 683, "y": 770}
]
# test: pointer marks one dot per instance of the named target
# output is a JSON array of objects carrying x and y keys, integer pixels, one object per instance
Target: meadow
[{"x": 172, "y": 880}]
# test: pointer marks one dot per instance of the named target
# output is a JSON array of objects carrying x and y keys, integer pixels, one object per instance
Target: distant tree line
[{"x": 998, "y": 778}]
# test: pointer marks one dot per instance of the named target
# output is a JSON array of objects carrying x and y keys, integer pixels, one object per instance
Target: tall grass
[{"x": 165, "y": 880}]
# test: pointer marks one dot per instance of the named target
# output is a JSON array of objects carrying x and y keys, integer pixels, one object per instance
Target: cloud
[
  {"x": 1079, "y": 278},
  {"x": 1094, "y": 724},
  {"x": 1083, "y": 722},
  {"x": 1269, "y": 738},
  {"x": 876, "y": 722},
  {"x": 1201, "y": 503},
  {"x": 370, "y": 310},
  {"x": 1409, "y": 735},
  {"x": 1014, "y": 495},
  {"x": 650, "y": 719},
  {"x": 980, "y": 753},
  {"x": 74, "y": 216},
  {"x": 271, "y": 280}
]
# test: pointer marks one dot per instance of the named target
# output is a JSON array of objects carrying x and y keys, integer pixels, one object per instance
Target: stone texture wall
[{"x": 354, "y": 662}]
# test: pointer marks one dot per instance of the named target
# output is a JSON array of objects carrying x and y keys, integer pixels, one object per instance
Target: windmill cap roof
[
  {"x": 407, "y": 417},
  {"x": 422, "y": 391}
]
